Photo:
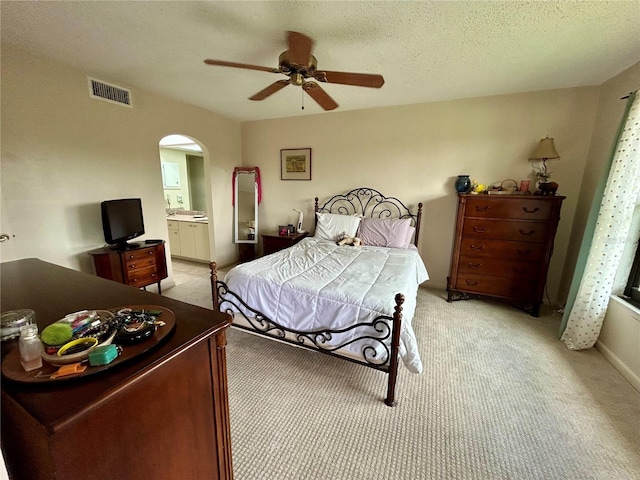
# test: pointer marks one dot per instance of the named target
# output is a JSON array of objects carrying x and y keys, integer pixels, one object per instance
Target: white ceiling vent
[{"x": 109, "y": 93}]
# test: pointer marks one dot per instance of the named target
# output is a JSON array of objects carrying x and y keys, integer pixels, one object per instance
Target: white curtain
[{"x": 612, "y": 230}]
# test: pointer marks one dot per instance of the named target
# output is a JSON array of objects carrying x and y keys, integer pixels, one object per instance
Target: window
[{"x": 632, "y": 291}]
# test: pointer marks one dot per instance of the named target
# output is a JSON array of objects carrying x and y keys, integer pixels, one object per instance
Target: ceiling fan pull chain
[{"x": 302, "y": 93}]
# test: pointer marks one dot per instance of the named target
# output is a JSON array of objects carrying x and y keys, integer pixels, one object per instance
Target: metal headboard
[{"x": 369, "y": 202}]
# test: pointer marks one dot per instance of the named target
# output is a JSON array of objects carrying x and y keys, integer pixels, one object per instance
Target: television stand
[{"x": 139, "y": 265}]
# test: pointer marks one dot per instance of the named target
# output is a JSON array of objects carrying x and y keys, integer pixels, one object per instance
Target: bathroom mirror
[{"x": 246, "y": 206}]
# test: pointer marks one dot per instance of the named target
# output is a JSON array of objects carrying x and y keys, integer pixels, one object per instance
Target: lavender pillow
[
  {"x": 410, "y": 231},
  {"x": 386, "y": 232}
]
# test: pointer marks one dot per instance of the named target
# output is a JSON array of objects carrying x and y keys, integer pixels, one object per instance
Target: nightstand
[{"x": 273, "y": 242}]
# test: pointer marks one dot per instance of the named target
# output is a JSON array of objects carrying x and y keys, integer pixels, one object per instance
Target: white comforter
[{"x": 317, "y": 284}]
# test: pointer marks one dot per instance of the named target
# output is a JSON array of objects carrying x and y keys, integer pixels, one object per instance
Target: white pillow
[{"x": 330, "y": 225}]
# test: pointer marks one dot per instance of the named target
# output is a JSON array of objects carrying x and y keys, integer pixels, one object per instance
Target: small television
[{"x": 122, "y": 221}]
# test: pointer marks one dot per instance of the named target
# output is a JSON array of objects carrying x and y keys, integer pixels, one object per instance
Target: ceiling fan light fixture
[{"x": 297, "y": 79}]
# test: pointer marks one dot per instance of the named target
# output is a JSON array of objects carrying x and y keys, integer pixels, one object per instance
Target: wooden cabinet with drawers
[
  {"x": 272, "y": 242},
  {"x": 139, "y": 266},
  {"x": 502, "y": 247}
]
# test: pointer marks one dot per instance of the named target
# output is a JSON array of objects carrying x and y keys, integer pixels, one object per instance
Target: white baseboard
[{"x": 625, "y": 371}]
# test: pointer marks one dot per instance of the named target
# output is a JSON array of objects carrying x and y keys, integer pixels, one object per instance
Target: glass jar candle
[{"x": 30, "y": 348}]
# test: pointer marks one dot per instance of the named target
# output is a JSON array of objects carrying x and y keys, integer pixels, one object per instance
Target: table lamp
[{"x": 546, "y": 151}]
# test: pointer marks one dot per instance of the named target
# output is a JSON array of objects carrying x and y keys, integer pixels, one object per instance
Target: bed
[{"x": 353, "y": 302}]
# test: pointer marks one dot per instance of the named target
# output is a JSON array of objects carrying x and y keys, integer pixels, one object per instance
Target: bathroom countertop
[{"x": 188, "y": 218}]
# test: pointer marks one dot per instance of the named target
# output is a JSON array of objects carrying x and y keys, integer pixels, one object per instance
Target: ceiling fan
[{"x": 300, "y": 65}]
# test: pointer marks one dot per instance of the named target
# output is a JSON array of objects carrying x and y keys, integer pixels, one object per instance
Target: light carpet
[{"x": 500, "y": 397}]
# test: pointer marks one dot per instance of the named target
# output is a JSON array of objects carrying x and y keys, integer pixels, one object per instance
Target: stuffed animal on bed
[{"x": 344, "y": 239}]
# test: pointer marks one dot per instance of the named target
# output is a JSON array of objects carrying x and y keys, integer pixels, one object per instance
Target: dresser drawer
[
  {"x": 140, "y": 253},
  {"x": 521, "y": 251},
  {"x": 172, "y": 224},
  {"x": 514, "y": 288},
  {"x": 505, "y": 229},
  {"x": 142, "y": 276},
  {"x": 498, "y": 267},
  {"x": 523, "y": 209},
  {"x": 147, "y": 261}
]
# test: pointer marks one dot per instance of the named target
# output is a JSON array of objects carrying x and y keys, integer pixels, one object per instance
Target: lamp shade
[{"x": 546, "y": 150}]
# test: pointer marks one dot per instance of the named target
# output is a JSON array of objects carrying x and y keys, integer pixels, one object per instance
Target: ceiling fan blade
[
  {"x": 300, "y": 48},
  {"x": 316, "y": 92},
  {"x": 270, "y": 90},
  {"x": 348, "y": 78},
  {"x": 222, "y": 63}
]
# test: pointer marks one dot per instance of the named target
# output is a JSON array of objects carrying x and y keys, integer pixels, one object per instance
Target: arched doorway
[{"x": 187, "y": 206}]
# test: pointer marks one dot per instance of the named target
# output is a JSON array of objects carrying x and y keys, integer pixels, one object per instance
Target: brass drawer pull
[
  {"x": 474, "y": 265},
  {"x": 526, "y": 210},
  {"x": 476, "y": 247},
  {"x": 483, "y": 209},
  {"x": 480, "y": 229},
  {"x": 530, "y": 232},
  {"x": 472, "y": 283}
]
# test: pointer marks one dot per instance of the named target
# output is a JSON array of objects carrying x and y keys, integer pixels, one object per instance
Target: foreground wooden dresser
[
  {"x": 502, "y": 247},
  {"x": 161, "y": 415}
]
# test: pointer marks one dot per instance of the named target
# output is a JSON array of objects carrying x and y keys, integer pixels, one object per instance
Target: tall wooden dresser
[{"x": 502, "y": 247}]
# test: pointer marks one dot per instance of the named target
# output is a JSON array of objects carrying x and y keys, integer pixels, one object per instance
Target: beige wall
[
  {"x": 415, "y": 152},
  {"x": 63, "y": 153}
]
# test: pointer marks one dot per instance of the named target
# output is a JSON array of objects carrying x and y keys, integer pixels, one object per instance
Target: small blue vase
[{"x": 463, "y": 183}]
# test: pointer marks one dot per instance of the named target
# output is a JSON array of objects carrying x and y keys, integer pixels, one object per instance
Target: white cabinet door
[
  {"x": 192, "y": 240},
  {"x": 174, "y": 236},
  {"x": 187, "y": 239},
  {"x": 201, "y": 239},
  {"x": 174, "y": 242}
]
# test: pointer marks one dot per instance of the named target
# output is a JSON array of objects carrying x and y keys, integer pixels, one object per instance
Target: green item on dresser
[{"x": 56, "y": 334}]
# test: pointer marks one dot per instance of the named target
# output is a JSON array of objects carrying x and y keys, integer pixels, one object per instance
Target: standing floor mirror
[{"x": 246, "y": 210}]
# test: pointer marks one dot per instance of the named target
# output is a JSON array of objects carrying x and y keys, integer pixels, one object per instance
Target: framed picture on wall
[{"x": 295, "y": 164}]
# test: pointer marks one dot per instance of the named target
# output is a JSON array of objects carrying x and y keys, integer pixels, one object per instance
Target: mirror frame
[{"x": 237, "y": 202}]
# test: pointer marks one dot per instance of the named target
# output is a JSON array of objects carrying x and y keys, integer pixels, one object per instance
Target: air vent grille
[{"x": 110, "y": 93}]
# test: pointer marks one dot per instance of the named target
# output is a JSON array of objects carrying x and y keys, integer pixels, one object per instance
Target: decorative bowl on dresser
[{"x": 502, "y": 247}]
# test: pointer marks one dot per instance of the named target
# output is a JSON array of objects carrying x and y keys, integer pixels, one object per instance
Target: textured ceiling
[{"x": 426, "y": 51}]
